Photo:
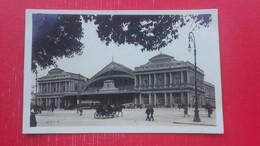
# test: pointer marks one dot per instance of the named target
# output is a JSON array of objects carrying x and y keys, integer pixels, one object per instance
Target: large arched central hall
[{"x": 114, "y": 84}]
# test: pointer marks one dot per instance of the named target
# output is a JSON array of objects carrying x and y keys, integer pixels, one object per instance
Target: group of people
[
  {"x": 149, "y": 112},
  {"x": 208, "y": 107}
]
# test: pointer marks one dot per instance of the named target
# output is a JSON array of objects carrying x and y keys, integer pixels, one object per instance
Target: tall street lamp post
[
  {"x": 78, "y": 94},
  {"x": 196, "y": 111},
  {"x": 78, "y": 97},
  {"x": 36, "y": 87}
]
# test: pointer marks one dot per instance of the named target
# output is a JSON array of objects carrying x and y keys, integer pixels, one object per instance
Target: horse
[{"x": 118, "y": 110}]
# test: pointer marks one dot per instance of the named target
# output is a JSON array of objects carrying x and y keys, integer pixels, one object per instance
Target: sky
[{"x": 96, "y": 55}]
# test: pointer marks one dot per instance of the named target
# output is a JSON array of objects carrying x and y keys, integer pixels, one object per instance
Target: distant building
[
  {"x": 209, "y": 94},
  {"x": 59, "y": 87},
  {"x": 162, "y": 82},
  {"x": 33, "y": 95}
]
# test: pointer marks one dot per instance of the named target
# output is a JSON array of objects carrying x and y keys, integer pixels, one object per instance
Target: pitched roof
[
  {"x": 160, "y": 57},
  {"x": 114, "y": 66},
  {"x": 56, "y": 73}
]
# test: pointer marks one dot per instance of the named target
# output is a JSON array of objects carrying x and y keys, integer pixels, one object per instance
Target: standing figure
[
  {"x": 52, "y": 106},
  {"x": 80, "y": 111},
  {"x": 210, "y": 110},
  {"x": 185, "y": 111},
  {"x": 151, "y": 111},
  {"x": 33, "y": 122},
  {"x": 148, "y": 113},
  {"x": 206, "y": 107}
]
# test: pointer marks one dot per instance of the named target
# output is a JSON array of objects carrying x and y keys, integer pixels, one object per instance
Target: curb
[{"x": 191, "y": 123}]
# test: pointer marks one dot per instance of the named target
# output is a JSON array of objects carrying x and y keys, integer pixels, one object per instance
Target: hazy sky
[{"x": 96, "y": 55}]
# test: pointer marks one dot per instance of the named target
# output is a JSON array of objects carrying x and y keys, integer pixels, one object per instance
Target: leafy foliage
[
  {"x": 152, "y": 32},
  {"x": 55, "y": 36}
]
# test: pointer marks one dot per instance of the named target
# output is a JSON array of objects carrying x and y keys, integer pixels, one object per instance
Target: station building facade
[
  {"x": 58, "y": 87},
  {"x": 162, "y": 82}
]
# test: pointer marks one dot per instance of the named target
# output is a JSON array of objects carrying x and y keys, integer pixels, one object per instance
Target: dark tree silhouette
[
  {"x": 152, "y": 32},
  {"x": 54, "y": 37},
  {"x": 57, "y": 36}
]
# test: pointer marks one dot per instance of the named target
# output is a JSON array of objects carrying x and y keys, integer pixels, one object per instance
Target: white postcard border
[{"x": 108, "y": 129}]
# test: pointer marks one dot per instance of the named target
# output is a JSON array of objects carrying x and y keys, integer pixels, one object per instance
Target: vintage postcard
[{"x": 122, "y": 72}]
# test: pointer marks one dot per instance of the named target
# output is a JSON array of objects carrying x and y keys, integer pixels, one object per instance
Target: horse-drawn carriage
[{"x": 107, "y": 112}]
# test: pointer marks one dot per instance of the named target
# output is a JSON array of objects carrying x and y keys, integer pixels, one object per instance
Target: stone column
[
  {"x": 165, "y": 99},
  {"x": 171, "y": 99},
  {"x": 39, "y": 90},
  {"x": 181, "y": 77},
  {"x": 56, "y": 87},
  {"x": 155, "y": 99},
  {"x": 140, "y": 80},
  {"x": 59, "y": 88},
  {"x": 188, "y": 77},
  {"x": 150, "y": 82},
  {"x": 47, "y": 88},
  {"x": 67, "y": 82},
  {"x": 155, "y": 83},
  {"x": 66, "y": 86},
  {"x": 49, "y": 101},
  {"x": 50, "y": 88},
  {"x": 140, "y": 99},
  {"x": 150, "y": 99},
  {"x": 70, "y": 86},
  {"x": 135, "y": 100},
  {"x": 56, "y": 101},
  {"x": 170, "y": 78},
  {"x": 165, "y": 80},
  {"x": 182, "y": 98},
  {"x": 135, "y": 81}
]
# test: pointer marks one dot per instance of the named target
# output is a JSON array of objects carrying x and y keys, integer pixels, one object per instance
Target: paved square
[{"x": 131, "y": 117}]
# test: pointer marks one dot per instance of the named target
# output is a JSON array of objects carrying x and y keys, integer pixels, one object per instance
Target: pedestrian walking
[
  {"x": 52, "y": 106},
  {"x": 151, "y": 112},
  {"x": 185, "y": 111},
  {"x": 33, "y": 122},
  {"x": 210, "y": 110},
  {"x": 80, "y": 111},
  {"x": 206, "y": 107},
  {"x": 147, "y": 112}
]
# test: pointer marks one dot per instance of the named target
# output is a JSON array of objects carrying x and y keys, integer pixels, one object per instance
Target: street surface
[{"x": 131, "y": 117}]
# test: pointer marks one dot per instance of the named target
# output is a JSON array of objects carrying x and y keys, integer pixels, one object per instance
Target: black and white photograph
[{"x": 122, "y": 72}]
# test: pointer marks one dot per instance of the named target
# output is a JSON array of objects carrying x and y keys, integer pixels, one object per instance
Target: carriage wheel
[{"x": 96, "y": 115}]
